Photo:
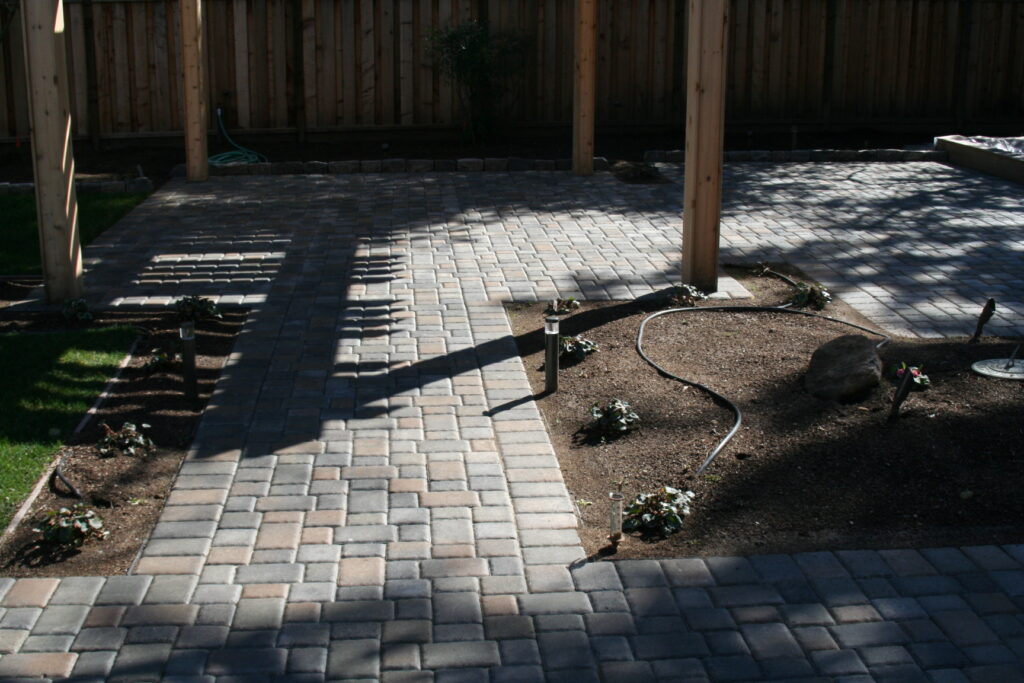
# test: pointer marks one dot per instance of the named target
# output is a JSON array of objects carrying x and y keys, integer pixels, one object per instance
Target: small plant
[
  {"x": 613, "y": 419},
  {"x": 815, "y": 296},
  {"x": 70, "y": 528},
  {"x": 576, "y": 347},
  {"x": 77, "y": 309},
  {"x": 658, "y": 514},
  {"x": 129, "y": 440},
  {"x": 685, "y": 296},
  {"x": 163, "y": 357},
  {"x": 920, "y": 381},
  {"x": 562, "y": 306},
  {"x": 196, "y": 308}
]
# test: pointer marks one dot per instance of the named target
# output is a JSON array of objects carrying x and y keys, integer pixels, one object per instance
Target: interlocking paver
[{"x": 379, "y": 462}]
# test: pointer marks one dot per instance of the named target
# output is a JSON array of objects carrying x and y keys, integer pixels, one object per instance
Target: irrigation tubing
[
  {"x": 717, "y": 397},
  {"x": 60, "y": 475}
]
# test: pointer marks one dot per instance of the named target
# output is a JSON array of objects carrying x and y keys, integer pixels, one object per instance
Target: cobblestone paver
[{"x": 372, "y": 493}]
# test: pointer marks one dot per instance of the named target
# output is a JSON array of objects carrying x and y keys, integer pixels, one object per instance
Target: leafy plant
[
  {"x": 70, "y": 528},
  {"x": 481, "y": 63},
  {"x": 163, "y": 356},
  {"x": 613, "y": 419},
  {"x": 920, "y": 381},
  {"x": 129, "y": 440},
  {"x": 658, "y": 514},
  {"x": 196, "y": 308},
  {"x": 815, "y": 296},
  {"x": 562, "y": 306},
  {"x": 577, "y": 347},
  {"x": 77, "y": 309},
  {"x": 685, "y": 296}
]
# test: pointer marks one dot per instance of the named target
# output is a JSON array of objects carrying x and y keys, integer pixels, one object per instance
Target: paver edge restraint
[{"x": 718, "y": 398}]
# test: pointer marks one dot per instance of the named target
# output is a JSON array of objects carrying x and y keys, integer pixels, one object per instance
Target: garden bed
[
  {"x": 127, "y": 492},
  {"x": 802, "y": 473}
]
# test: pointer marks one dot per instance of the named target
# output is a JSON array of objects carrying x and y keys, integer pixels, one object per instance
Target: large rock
[{"x": 844, "y": 369}]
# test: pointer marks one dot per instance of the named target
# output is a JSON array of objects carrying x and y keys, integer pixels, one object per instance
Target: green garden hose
[{"x": 239, "y": 155}]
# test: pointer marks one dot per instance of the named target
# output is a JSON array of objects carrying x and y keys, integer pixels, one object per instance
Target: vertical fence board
[
  {"x": 365, "y": 62},
  {"x": 386, "y": 71},
  {"x": 406, "y": 59}
]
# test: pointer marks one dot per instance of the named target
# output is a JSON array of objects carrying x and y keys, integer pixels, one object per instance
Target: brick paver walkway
[{"x": 373, "y": 494}]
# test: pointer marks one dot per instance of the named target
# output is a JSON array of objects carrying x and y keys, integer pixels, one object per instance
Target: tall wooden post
[
  {"x": 53, "y": 160},
  {"x": 705, "y": 125},
  {"x": 584, "y": 91},
  {"x": 196, "y": 162}
]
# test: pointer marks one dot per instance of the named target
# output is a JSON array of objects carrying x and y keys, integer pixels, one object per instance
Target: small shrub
[
  {"x": 657, "y": 514},
  {"x": 613, "y": 419},
  {"x": 685, "y": 296},
  {"x": 129, "y": 440},
  {"x": 920, "y": 380},
  {"x": 815, "y": 296},
  {"x": 77, "y": 310},
  {"x": 70, "y": 528},
  {"x": 562, "y": 306},
  {"x": 196, "y": 308},
  {"x": 576, "y": 347},
  {"x": 163, "y": 357},
  {"x": 482, "y": 65}
]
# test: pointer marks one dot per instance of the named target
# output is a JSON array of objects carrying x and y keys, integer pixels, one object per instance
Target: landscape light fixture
[
  {"x": 615, "y": 521},
  {"x": 187, "y": 332},
  {"x": 551, "y": 354}
]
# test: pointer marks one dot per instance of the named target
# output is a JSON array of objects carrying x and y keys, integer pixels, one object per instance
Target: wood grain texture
[
  {"x": 365, "y": 63},
  {"x": 705, "y": 129},
  {"x": 197, "y": 166},
  {"x": 53, "y": 162}
]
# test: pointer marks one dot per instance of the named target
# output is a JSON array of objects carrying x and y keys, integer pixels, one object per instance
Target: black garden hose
[
  {"x": 60, "y": 475},
  {"x": 718, "y": 398}
]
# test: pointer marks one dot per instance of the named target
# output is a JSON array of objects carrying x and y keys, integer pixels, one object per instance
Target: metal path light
[
  {"x": 187, "y": 331},
  {"x": 551, "y": 354}
]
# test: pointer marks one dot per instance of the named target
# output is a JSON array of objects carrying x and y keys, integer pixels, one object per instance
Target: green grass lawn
[
  {"x": 20, "y": 238},
  {"x": 49, "y": 381}
]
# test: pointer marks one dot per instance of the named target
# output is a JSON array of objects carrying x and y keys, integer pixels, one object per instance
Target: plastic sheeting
[{"x": 1013, "y": 147}]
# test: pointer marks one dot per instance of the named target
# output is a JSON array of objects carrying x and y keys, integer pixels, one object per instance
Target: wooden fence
[{"x": 339, "y": 64}]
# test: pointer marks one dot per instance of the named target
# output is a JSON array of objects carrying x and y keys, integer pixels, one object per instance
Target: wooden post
[
  {"x": 705, "y": 125},
  {"x": 196, "y": 155},
  {"x": 584, "y": 90},
  {"x": 53, "y": 160}
]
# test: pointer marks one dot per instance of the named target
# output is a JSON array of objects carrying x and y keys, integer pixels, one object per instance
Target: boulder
[{"x": 844, "y": 369}]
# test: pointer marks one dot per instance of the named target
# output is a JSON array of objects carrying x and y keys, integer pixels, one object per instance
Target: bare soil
[
  {"x": 802, "y": 473},
  {"x": 127, "y": 492}
]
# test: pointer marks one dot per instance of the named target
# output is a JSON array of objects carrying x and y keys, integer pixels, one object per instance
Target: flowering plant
[
  {"x": 920, "y": 379},
  {"x": 578, "y": 347},
  {"x": 660, "y": 513}
]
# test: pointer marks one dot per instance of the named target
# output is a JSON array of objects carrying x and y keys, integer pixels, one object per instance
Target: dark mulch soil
[
  {"x": 128, "y": 492},
  {"x": 802, "y": 473}
]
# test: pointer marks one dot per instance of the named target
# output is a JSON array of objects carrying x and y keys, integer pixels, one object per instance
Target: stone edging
[
  {"x": 141, "y": 184},
  {"x": 764, "y": 155},
  {"x": 469, "y": 165}
]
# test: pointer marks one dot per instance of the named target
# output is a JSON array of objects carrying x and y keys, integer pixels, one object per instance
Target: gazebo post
[
  {"x": 196, "y": 160},
  {"x": 53, "y": 159},
  {"x": 584, "y": 89},
  {"x": 706, "y": 64}
]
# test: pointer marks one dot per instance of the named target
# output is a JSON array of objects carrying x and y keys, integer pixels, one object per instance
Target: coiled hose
[
  {"x": 239, "y": 155},
  {"x": 718, "y": 398}
]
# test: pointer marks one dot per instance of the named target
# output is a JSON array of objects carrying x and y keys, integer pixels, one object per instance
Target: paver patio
[{"x": 372, "y": 493}]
